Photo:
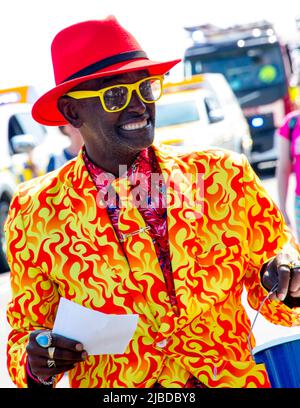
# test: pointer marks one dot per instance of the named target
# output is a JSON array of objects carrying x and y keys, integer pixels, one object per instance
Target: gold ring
[
  {"x": 51, "y": 363},
  {"x": 295, "y": 264},
  {"x": 287, "y": 265},
  {"x": 51, "y": 351}
]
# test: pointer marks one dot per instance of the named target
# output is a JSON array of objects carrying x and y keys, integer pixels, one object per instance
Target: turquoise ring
[{"x": 44, "y": 339}]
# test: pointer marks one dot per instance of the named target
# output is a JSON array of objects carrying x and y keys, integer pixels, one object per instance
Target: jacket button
[{"x": 162, "y": 344}]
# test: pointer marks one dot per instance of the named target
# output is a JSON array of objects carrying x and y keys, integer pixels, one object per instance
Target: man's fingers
[
  {"x": 295, "y": 282},
  {"x": 39, "y": 367},
  {"x": 58, "y": 341},
  {"x": 57, "y": 353},
  {"x": 284, "y": 275},
  {"x": 65, "y": 343},
  {"x": 287, "y": 275},
  {"x": 41, "y": 363},
  {"x": 66, "y": 355}
]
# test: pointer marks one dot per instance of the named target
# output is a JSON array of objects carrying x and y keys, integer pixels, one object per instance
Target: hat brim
[{"x": 45, "y": 109}]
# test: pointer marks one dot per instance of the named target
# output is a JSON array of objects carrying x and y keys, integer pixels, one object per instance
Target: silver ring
[
  {"x": 51, "y": 363},
  {"x": 51, "y": 351},
  {"x": 44, "y": 339}
]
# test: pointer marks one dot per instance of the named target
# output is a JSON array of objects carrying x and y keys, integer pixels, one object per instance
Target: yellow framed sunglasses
[{"x": 117, "y": 97}]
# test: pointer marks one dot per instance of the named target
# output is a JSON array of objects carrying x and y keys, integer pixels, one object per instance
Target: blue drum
[{"x": 282, "y": 361}]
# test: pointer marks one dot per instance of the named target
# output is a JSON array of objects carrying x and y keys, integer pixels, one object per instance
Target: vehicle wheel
[{"x": 4, "y": 206}]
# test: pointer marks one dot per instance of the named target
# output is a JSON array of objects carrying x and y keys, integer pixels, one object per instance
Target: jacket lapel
[{"x": 182, "y": 213}]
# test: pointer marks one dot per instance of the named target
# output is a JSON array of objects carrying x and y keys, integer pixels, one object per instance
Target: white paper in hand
[{"x": 100, "y": 333}]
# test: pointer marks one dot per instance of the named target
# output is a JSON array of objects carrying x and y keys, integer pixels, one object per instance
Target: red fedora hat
[{"x": 88, "y": 50}]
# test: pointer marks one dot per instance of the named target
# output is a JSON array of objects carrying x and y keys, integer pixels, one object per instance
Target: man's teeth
[{"x": 135, "y": 125}]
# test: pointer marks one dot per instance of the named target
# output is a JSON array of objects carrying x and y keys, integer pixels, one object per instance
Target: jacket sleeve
[
  {"x": 34, "y": 297},
  {"x": 267, "y": 236}
]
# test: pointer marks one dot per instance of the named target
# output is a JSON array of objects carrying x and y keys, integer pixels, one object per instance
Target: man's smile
[{"x": 135, "y": 125}]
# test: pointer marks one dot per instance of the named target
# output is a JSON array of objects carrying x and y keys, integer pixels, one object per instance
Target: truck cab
[{"x": 259, "y": 70}]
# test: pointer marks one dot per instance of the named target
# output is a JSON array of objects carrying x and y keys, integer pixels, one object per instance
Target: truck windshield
[{"x": 247, "y": 69}]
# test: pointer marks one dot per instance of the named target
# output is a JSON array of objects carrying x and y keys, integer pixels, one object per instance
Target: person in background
[
  {"x": 70, "y": 152},
  {"x": 288, "y": 164},
  {"x": 132, "y": 228},
  {"x": 28, "y": 169}
]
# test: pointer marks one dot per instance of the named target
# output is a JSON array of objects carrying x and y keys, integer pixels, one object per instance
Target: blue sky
[{"x": 27, "y": 27}]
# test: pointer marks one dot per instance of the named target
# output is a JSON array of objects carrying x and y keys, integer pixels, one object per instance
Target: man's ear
[{"x": 67, "y": 107}]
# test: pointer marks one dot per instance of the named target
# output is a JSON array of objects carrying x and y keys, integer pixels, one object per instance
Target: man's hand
[
  {"x": 282, "y": 274},
  {"x": 59, "y": 356}
]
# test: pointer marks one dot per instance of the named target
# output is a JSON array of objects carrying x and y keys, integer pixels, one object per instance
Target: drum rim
[{"x": 276, "y": 342}]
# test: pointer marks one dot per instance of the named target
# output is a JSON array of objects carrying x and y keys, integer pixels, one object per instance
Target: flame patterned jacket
[{"x": 222, "y": 228}]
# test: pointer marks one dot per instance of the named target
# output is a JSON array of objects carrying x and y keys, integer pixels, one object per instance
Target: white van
[
  {"x": 202, "y": 112},
  {"x": 19, "y": 135}
]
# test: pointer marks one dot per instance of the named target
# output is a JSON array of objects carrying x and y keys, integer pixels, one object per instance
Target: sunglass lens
[
  {"x": 115, "y": 98},
  {"x": 150, "y": 89}
]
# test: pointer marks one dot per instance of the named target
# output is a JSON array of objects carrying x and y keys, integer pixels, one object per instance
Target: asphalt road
[{"x": 263, "y": 330}]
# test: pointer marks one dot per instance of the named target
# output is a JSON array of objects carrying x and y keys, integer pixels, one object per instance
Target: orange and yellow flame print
[{"x": 222, "y": 228}]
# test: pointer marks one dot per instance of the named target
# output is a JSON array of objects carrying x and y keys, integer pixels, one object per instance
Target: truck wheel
[{"x": 4, "y": 206}]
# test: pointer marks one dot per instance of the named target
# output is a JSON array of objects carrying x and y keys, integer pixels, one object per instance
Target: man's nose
[{"x": 136, "y": 104}]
